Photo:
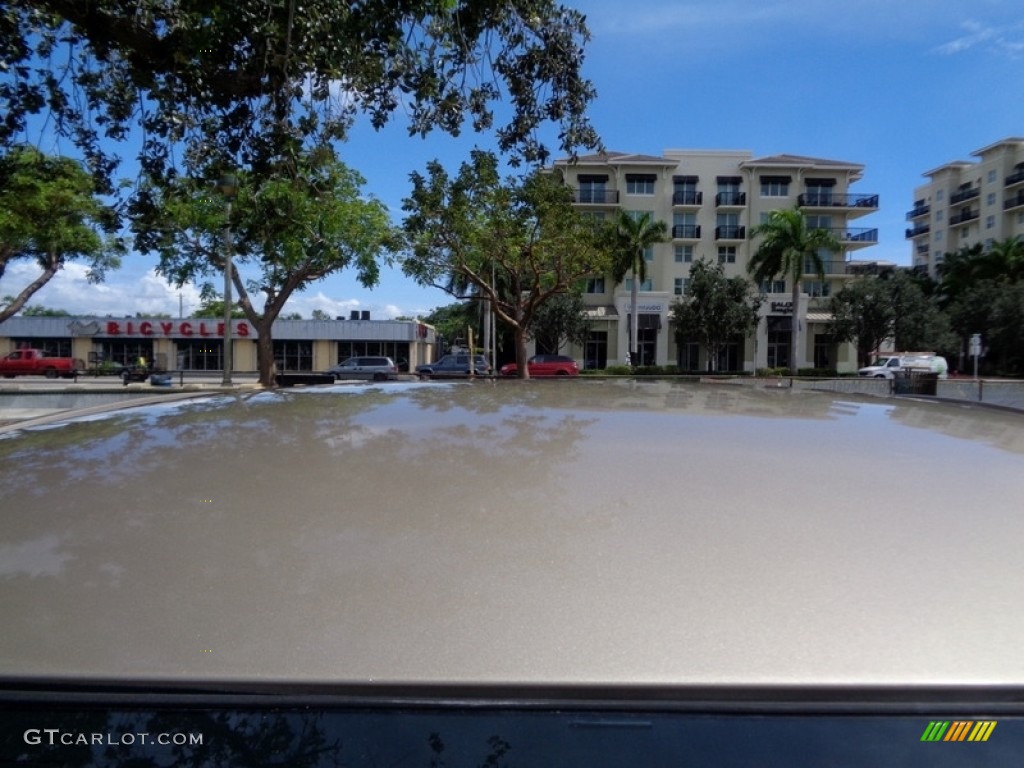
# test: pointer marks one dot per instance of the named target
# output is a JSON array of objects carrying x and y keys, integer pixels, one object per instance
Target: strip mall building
[{"x": 197, "y": 344}]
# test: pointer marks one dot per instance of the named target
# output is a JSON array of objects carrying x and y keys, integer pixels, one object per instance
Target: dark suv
[{"x": 454, "y": 365}]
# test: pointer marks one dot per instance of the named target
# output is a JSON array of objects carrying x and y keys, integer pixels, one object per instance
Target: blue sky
[{"x": 900, "y": 87}]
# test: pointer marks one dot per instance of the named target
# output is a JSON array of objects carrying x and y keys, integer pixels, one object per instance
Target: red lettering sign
[
  {"x": 166, "y": 327},
  {"x": 242, "y": 329},
  {"x": 146, "y": 328},
  {"x": 185, "y": 329},
  {"x": 113, "y": 329}
]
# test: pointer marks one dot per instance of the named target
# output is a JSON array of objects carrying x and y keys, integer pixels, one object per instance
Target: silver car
[
  {"x": 367, "y": 368},
  {"x": 614, "y": 573}
]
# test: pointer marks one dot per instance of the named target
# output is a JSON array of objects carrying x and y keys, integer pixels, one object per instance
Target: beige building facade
[
  {"x": 710, "y": 200},
  {"x": 968, "y": 203}
]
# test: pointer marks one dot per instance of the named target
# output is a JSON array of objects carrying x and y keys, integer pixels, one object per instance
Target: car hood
[{"x": 604, "y": 533}]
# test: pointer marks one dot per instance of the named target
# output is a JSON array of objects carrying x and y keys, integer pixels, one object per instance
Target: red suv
[{"x": 545, "y": 365}]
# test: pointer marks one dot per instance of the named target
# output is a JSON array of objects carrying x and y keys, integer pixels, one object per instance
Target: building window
[
  {"x": 680, "y": 286},
  {"x": 200, "y": 355},
  {"x": 990, "y": 222},
  {"x": 991, "y": 176},
  {"x": 684, "y": 191},
  {"x": 990, "y": 198},
  {"x": 592, "y": 189},
  {"x": 938, "y": 237},
  {"x": 595, "y": 285},
  {"x": 595, "y": 355},
  {"x": 729, "y": 191},
  {"x": 817, "y": 289},
  {"x": 646, "y": 285},
  {"x": 293, "y": 355},
  {"x": 684, "y": 254},
  {"x": 649, "y": 253},
  {"x": 640, "y": 184},
  {"x": 775, "y": 186},
  {"x": 49, "y": 347},
  {"x": 939, "y": 195},
  {"x": 940, "y": 215},
  {"x": 773, "y": 286},
  {"x": 727, "y": 254}
]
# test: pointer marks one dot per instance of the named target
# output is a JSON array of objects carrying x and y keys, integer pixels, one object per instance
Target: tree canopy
[
  {"x": 790, "y": 249},
  {"x": 518, "y": 242},
  {"x": 715, "y": 309},
  {"x": 249, "y": 84},
  {"x": 49, "y": 214},
  {"x": 289, "y": 230}
]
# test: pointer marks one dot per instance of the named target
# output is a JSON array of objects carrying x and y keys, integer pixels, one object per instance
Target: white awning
[
  {"x": 603, "y": 312},
  {"x": 819, "y": 317}
]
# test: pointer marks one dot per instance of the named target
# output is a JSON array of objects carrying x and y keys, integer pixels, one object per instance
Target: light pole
[{"x": 228, "y": 186}]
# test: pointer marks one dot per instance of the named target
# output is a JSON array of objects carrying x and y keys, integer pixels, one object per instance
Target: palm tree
[
  {"x": 634, "y": 235},
  {"x": 791, "y": 250}
]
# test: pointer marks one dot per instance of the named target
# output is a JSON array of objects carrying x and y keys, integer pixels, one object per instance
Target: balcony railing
[
  {"x": 920, "y": 229},
  {"x": 965, "y": 215},
  {"x": 1015, "y": 178},
  {"x": 918, "y": 211},
  {"x": 855, "y": 234},
  {"x": 691, "y": 197},
  {"x": 836, "y": 200},
  {"x": 964, "y": 195},
  {"x": 1014, "y": 202},
  {"x": 730, "y": 199},
  {"x": 829, "y": 267},
  {"x": 730, "y": 232},
  {"x": 686, "y": 232},
  {"x": 596, "y": 196}
]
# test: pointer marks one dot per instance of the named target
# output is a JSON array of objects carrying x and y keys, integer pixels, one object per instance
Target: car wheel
[
  {"x": 50, "y": 373},
  {"x": 379, "y": 377}
]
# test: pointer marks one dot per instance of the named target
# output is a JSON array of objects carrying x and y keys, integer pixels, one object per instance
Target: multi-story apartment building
[
  {"x": 711, "y": 200},
  {"x": 968, "y": 203}
]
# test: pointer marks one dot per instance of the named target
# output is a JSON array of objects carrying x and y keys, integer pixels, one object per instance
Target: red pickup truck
[{"x": 32, "y": 362}]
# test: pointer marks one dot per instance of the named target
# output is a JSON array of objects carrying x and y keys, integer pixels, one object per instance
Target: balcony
[
  {"x": 918, "y": 211},
  {"x": 595, "y": 196},
  {"x": 1014, "y": 202},
  {"x": 962, "y": 217},
  {"x": 730, "y": 232},
  {"x": 688, "y": 198},
  {"x": 856, "y": 237},
  {"x": 829, "y": 267},
  {"x": 920, "y": 229},
  {"x": 686, "y": 232},
  {"x": 964, "y": 195},
  {"x": 731, "y": 199},
  {"x": 1017, "y": 177},
  {"x": 834, "y": 200}
]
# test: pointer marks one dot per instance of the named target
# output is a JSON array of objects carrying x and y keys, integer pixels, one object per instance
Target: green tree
[
  {"x": 452, "y": 320},
  {"x": 715, "y": 309},
  {"x": 320, "y": 314},
  {"x": 50, "y": 214},
  {"x": 291, "y": 230},
  {"x": 635, "y": 233},
  {"x": 38, "y": 310},
  {"x": 518, "y": 242},
  {"x": 790, "y": 249},
  {"x": 561, "y": 320},
  {"x": 248, "y": 84}
]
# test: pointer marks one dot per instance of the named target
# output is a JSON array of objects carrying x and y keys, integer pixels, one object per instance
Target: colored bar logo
[{"x": 958, "y": 730}]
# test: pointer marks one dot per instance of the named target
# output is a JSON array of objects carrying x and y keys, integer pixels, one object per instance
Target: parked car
[
  {"x": 365, "y": 368},
  {"x": 454, "y": 365},
  {"x": 545, "y": 365},
  {"x": 888, "y": 366},
  {"x": 34, "y": 362}
]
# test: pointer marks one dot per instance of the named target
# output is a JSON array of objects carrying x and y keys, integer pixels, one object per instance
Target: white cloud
[
  {"x": 1000, "y": 40},
  {"x": 121, "y": 294}
]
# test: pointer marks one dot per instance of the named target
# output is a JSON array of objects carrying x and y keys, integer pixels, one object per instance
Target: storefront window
[
  {"x": 595, "y": 355},
  {"x": 122, "y": 352},
  {"x": 200, "y": 355},
  {"x": 396, "y": 350},
  {"x": 49, "y": 347},
  {"x": 293, "y": 355}
]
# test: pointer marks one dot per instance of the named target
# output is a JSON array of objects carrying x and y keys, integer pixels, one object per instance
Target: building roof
[
  {"x": 956, "y": 165},
  {"x": 1009, "y": 141},
  {"x": 617, "y": 158},
  {"x": 801, "y": 161}
]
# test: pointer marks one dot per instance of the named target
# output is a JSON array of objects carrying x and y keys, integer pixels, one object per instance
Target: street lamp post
[{"x": 228, "y": 186}]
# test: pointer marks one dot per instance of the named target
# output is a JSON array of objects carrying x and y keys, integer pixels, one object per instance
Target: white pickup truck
[{"x": 887, "y": 366}]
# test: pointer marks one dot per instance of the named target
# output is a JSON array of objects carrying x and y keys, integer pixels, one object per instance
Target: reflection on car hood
[{"x": 605, "y": 533}]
